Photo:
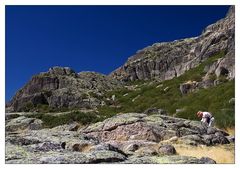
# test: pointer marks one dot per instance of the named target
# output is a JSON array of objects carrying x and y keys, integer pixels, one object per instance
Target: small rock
[
  {"x": 186, "y": 131},
  {"x": 173, "y": 139},
  {"x": 231, "y": 101},
  {"x": 146, "y": 151},
  {"x": 191, "y": 140},
  {"x": 167, "y": 149},
  {"x": 211, "y": 130},
  {"x": 36, "y": 125},
  {"x": 208, "y": 139},
  {"x": 207, "y": 160},
  {"x": 220, "y": 140},
  {"x": 151, "y": 111},
  {"x": 221, "y": 71},
  {"x": 131, "y": 147},
  {"x": 46, "y": 146},
  {"x": 217, "y": 82},
  {"x": 106, "y": 147},
  {"x": 184, "y": 88},
  {"x": 179, "y": 110},
  {"x": 166, "y": 89},
  {"x": 155, "y": 111},
  {"x": 84, "y": 147},
  {"x": 74, "y": 126},
  {"x": 162, "y": 112},
  {"x": 231, "y": 139},
  {"x": 167, "y": 134},
  {"x": 219, "y": 134}
]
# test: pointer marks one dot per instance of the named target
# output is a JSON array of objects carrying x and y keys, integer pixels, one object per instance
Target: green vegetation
[
  {"x": 43, "y": 108},
  {"x": 141, "y": 95},
  {"x": 27, "y": 107},
  {"x": 50, "y": 121},
  {"x": 166, "y": 95},
  {"x": 12, "y": 116}
]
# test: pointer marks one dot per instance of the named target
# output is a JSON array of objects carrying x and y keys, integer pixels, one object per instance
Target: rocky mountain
[
  {"x": 62, "y": 87},
  {"x": 131, "y": 116},
  {"x": 167, "y": 60},
  {"x": 127, "y": 138}
]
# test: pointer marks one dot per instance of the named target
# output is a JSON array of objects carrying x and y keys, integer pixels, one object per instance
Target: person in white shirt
[{"x": 206, "y": 118}]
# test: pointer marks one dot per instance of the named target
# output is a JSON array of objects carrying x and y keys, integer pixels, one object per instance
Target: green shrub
[{"x": 27, "y": 107}]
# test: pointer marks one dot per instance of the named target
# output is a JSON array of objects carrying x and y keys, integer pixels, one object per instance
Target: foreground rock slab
[
  {"x": 155, "y": 128},
  {"x": 126, "y": 138}
]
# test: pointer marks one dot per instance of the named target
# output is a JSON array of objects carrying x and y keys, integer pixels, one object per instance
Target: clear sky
[{"x": 92, "y": 38}]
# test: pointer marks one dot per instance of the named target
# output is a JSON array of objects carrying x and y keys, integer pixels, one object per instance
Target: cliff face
[
  {"x": 62, "y": 87},
  {"x": 167, "y": 60}
]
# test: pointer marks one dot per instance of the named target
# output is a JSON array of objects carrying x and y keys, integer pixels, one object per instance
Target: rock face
[
  {"x": 62, "y": 87},
  {"x": 170, "y": 59},
  {"x": 126, "y": 138}
]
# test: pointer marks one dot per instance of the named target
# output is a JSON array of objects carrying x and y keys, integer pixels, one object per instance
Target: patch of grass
[
  {"x": 231, "y": 131},
  {"x": 222, "y": 154},
  {"x": 50, "y": 121}
]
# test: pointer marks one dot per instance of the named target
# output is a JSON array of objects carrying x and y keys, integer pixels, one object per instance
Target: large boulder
[{"x": 22, "y": 122}]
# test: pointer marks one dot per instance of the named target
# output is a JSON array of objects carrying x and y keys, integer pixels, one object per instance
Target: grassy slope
[
  {"x": 214, "y": 99},
  {"x": 149, "y": 94}
]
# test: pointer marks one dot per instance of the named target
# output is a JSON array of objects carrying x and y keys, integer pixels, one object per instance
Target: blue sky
[{"x": 92, "y": 38}]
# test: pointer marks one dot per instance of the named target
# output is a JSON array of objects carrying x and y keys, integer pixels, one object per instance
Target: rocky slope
[
  {"x": 126, "y": 138},
  {"x": 63, "y": 87},
  {"x": 167, "y": 60}
]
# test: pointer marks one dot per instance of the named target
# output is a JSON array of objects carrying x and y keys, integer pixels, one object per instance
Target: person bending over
[{"x": 207, "y": 118}]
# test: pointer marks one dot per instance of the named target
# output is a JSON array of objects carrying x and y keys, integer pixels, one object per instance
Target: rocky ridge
[
  {"x": 125, "y": 138},
  {"x": 164, "y": 61},
  {"x": 63, "y": 88}
]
